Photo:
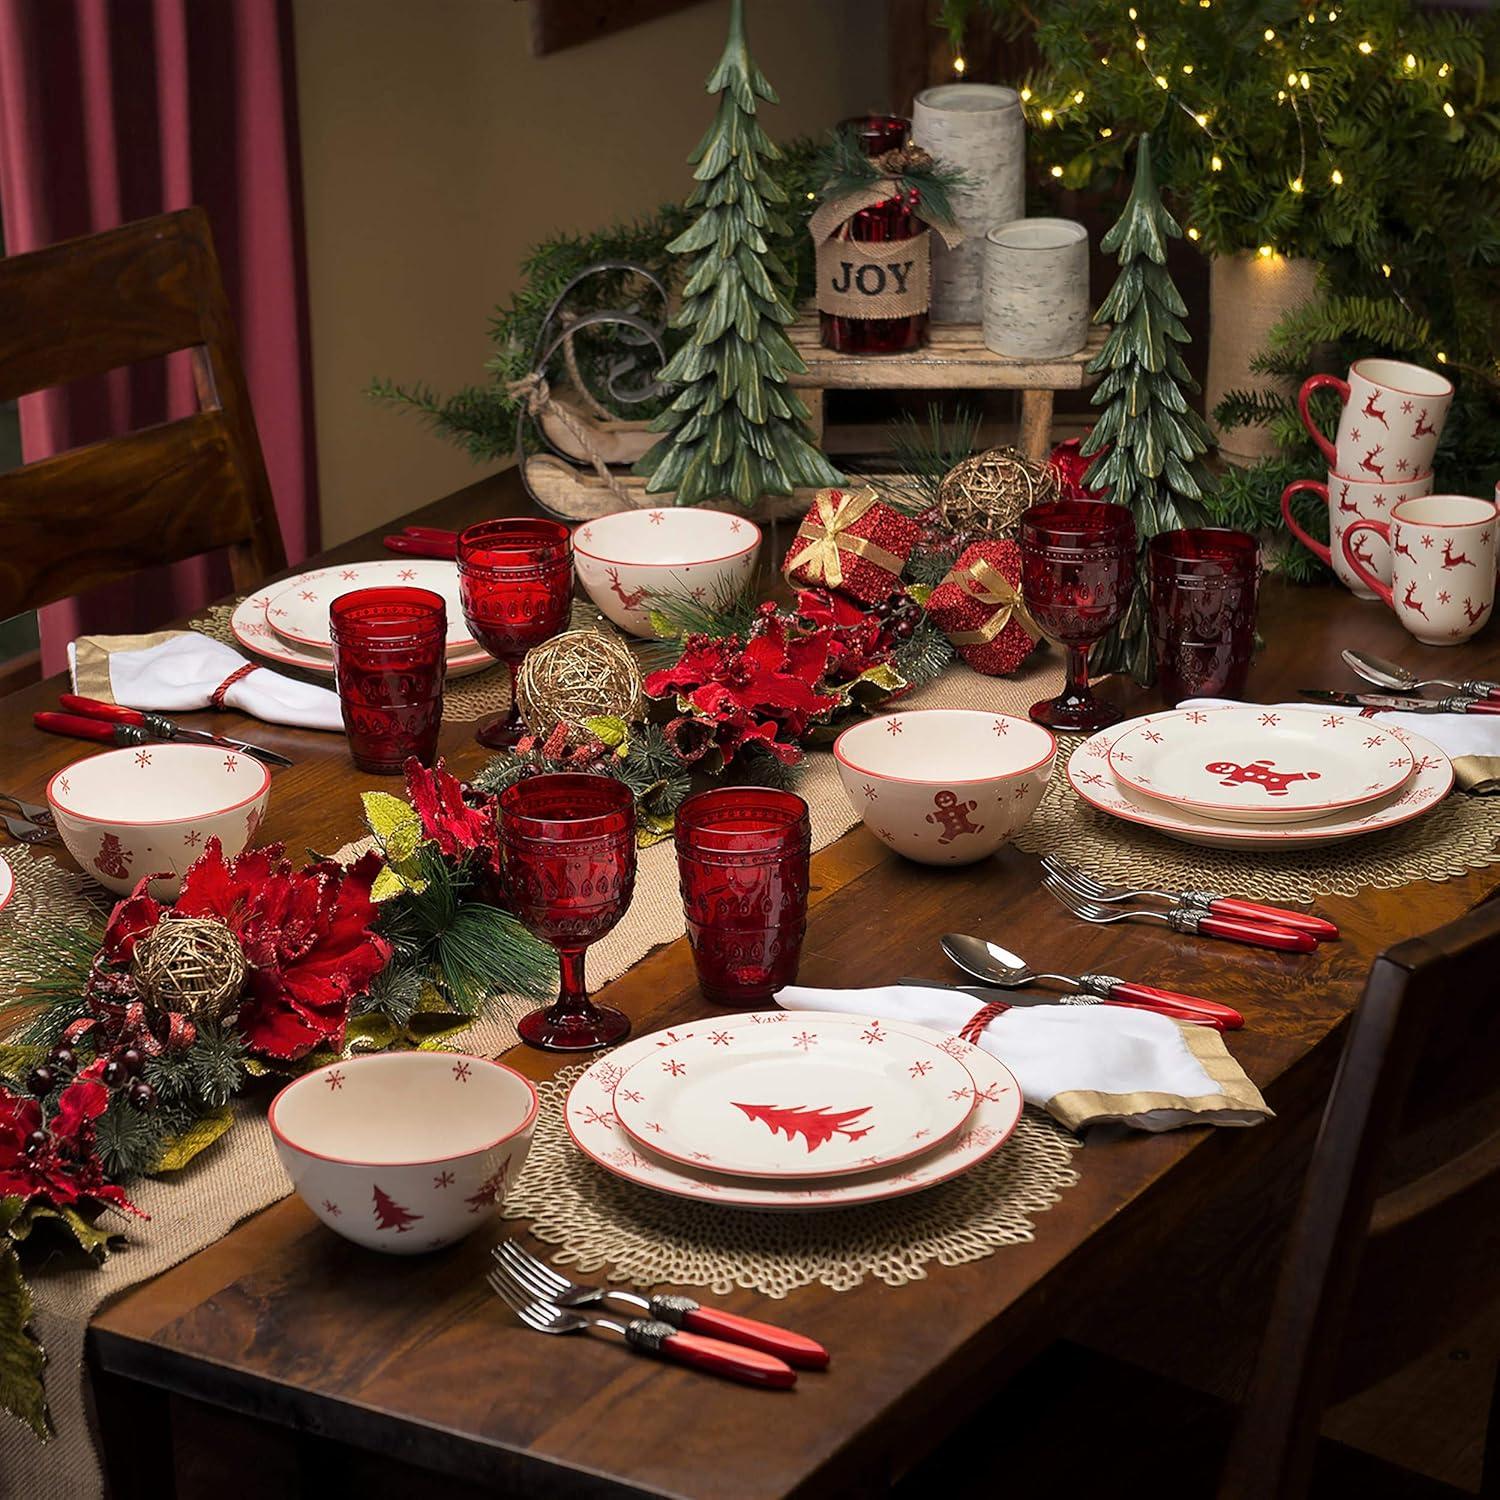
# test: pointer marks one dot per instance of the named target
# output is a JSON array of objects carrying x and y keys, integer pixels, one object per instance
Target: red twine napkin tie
[
  {"x": 216, "y": 698},
  {"x": 971, "y": 1029}
]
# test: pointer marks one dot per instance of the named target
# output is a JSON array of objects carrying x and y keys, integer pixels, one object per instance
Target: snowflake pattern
[
  {"x": 143, "y": 758},
  {"x": 805, "y": 1040},
  {"x": 672, "y": 1066},
  {"x": 231, "y": 763},
  {"x": 871, "y": 795},
  {"x": 604, "y": 1117},
  {"x": 62, "y": 783},
  {"x": 331, "y": 1208},
  {"x": 461, "y": 1071},
  {"x": 1444, "y": 597},
  {"x": 334, "y": 1079},
  {"x": 1332, "y": 721},
  {"x": 720, "y": 1038},
  {"x": 1151, "y": 736},
  {"x": 1197, "y": 716},
  {"x": 920, "y": 1069},
  {"x": 872, "y": 1034},
  {"x": 349, "y": 574},
  {"x": 1270, "y": 719},
  {"x": 192, "y": 838},
  {"x": 443, "y": 1179},
  {"x": 310, "y": 596},
  {"x": 632, "y": 1096},
  {"x": 407, "y": 574},
  {"x": 1002, "y": 726},
  {"x": 894, "y": 727},
  {"x": 735, "y": 527},
  {"x": 655, "y": 517},
  {"x": 1371, "y": 741},
  {"x": 1427, "y": 541}
]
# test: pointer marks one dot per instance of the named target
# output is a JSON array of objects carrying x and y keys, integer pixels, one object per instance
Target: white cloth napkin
[
  {"x": 177, "y": 671},
  {"x": 1084, "y": 1064}
]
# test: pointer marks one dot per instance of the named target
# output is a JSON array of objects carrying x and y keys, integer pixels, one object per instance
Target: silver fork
[
  {"x": 25, "y": 831},
  {"x": 645, "y": 1336},
  {"x": 33, "y": 812},
  {"x": 1189, "y": 919},
  {"x": 540, "y": 1279}
]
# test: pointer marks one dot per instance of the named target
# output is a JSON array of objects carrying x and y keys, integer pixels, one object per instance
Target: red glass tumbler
[
  {"x": 1203, "y": 587},
  {"x": 515, "y": 580},
  {"x": 389, "y": 659},
  {"x": 742, "y": 862},
  {"x": 567, "y": 858},
  {"x": 889, "y": 220},
  {"x": 1077, "y": 576}
]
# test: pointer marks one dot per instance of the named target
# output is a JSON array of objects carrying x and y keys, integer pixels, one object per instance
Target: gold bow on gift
[
  {"x": 983, "y": 581},
  {"x": 826, "y": 532}
]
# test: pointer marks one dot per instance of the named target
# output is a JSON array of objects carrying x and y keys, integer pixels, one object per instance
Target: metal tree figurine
[
  {"x": 1149, "y": 440},
  {"x": 735, "y": 430}
]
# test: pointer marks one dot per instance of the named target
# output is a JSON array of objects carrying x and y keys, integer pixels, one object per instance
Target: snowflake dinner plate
[
  {"x": 249, "y": 626},
  {"x": 596, "y": 1131},
  {"x": 1260, "y": 765},
  {"x": 7, "y": 882},
  {"x": 299, "y": 612},
  {"x": 808, "y": 1101},
  {"x": 1431, "y": 780}
]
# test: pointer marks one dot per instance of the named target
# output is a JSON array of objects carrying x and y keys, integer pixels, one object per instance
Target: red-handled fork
[
  {"x": 424, "y": 541},
  {"x": 682, "y": 1312}
]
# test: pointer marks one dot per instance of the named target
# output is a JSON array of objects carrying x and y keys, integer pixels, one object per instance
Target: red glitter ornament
[{"x": 978, "y": 607}]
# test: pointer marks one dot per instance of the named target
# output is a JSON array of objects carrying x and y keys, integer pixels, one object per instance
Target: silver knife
[
  {"x": 1455, "y": 704},
  {"x": 1018, "y": 998}
]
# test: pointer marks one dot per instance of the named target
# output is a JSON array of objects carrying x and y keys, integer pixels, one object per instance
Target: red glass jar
[{"x": 891, "y": 220}]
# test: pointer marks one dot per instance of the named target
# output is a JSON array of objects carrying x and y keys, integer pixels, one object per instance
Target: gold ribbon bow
[
  {"x": 983, "y": 581},
  {"x": 826, "y": 533}
]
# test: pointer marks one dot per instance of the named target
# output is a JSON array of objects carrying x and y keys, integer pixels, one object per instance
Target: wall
[{"x": 436, "y": 149}]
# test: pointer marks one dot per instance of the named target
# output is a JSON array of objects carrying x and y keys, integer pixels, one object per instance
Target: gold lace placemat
[
  {"x": 1456, "y": 837},
  {"x": 603, "y": 1223}
]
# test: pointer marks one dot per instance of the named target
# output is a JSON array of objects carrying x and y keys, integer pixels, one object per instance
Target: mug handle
[
  {"x": 1313, "y": 487},
  {"x": 1383, "y": 530},
  {"x": 1321, "y": 383}
]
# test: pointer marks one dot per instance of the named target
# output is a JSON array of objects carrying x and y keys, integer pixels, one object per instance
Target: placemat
[
  {"x": 1458, "y": 836},
  {"x": 630, "y": 1233}
]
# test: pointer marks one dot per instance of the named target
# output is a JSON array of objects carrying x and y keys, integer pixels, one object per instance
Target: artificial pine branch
[
  {"x": 847, "y": 170},
  {"x": 927, "y": 655},
  {"x": 925, "y": 451}
]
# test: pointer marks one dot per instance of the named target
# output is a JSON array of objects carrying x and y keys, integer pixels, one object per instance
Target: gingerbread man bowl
[
  {"x": 945, "y": 786},
  {"x": 633, "y": 557}
]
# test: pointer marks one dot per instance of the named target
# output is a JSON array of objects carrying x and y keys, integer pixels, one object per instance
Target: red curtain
[{"x": 113, "y": 110}]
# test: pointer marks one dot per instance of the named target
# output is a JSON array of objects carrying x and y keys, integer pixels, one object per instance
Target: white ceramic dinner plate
[
  {"x": 299, "y": 612},
  {"x": 249, "y": 626},
  {"x": 7, "y": 882},
  {"x": 1260, "y": 765},
  {"x": 1431, "y": 780},
  {"x": 595, "y": 1128},
  {"x": 813, "y": 1100}
]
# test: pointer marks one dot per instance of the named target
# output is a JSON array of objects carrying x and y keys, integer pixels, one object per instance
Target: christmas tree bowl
[{"x": 405, "y": 1151}]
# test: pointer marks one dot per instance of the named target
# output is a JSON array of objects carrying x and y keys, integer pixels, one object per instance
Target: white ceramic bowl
[
  {"x": 625, "y": 558},
  {"x": 945, "y": 786},
  {"x": 405, "y": 1151},
  {"x": 150, "y": 811}
]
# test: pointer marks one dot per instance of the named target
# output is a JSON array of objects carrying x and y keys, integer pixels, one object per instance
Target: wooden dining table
[{"x": 284, "y": 1358}]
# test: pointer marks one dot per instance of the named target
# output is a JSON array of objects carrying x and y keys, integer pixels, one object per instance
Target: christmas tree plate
[
  {"x": 299, "y": 611},
  {"x": 1260, "y": 765},
  {"x": 1431, "y": 780},
  {"x": 595, "y": 1128},
  {"x": 813, "y": 1100}
]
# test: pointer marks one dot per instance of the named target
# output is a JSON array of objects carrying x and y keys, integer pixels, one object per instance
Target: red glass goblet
[
  {"x": 1077, "y": 576},
  {"x": 389, "y": 659},
  {"x": 515, "y": 580},
  {"x": 567, "y": 857},
  {"x": 742, "y": 862},
  {"x": 1203, "y": 589}
]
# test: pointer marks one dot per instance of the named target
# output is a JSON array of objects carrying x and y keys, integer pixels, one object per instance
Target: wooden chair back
[
  {"x": 1376, "y": 1272},
  {"x": 97, "y": 513}
]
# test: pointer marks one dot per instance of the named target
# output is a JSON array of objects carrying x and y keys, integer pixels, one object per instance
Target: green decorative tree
[
  {"x": 735, "y": 429},
  {"x": 1150, "y": 442}
]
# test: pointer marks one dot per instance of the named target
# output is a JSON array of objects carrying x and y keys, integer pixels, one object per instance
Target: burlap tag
[{"x": 869, "y": 279}]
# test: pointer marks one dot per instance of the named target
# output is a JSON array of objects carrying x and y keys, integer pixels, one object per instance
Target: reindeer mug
[
  {"x": 1350, "y": 500},
  {"x": 1393, "y": 416},
  {"x": 1442, "y": 565}
]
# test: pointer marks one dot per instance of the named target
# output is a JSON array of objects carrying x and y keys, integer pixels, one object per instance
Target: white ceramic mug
[
  {"x": 1392, "y": 419},
  {"x": 1350, "y": 500},
  {"x": 1442, "y": 565}
]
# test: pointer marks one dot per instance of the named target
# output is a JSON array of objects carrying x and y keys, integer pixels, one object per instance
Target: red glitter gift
[
  {"x": 978, "y": 607},
  {"x": 853, "y": 543}
]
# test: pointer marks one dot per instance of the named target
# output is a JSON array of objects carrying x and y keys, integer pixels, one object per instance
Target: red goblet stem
[
  {"x": 505, "y": 729},
  {"x": 573, "y": 997},
  {"x": 1077, "y": 685}
]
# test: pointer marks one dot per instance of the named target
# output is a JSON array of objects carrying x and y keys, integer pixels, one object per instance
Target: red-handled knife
[{"x": 113, "y": 723}]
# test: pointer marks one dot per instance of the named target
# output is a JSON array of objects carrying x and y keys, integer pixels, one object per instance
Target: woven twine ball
[
  {"x": 578, "y": 675},
  {"x": 192, "y": 965},
  {"x": 988, "y": 492}
]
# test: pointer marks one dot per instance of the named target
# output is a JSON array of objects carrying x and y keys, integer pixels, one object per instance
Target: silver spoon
[{"x": 1389, "y": 674}]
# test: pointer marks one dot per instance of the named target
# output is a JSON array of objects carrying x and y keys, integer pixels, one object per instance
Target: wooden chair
[
  {"x": 95, "y": 514},
  {"x": 1394, "y": 1245}
]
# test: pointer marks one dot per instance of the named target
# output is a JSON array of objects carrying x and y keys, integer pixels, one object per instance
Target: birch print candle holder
[
  {"x": 977, "y": 129},
  {"x": 1036, "y": 288}
]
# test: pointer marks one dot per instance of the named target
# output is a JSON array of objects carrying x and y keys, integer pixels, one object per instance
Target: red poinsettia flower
[
  {"x": 858, "y": 638},
  {"x": 65, "y": 1170},
  {"x": 448, "y": 819},
  {"x": 1072, "y": 467},
  {"x": 305, "y": 934}
]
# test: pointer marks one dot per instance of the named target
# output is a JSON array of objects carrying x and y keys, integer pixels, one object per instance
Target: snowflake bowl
[
  {"x": 405, "y": 1151},
  {"x": 628, "y": 559},
  {"x": 945, "y": 786},
  {"x": 151, "y": 810}
]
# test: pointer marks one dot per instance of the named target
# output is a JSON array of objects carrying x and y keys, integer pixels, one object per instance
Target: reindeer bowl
[
  {"x": 635, "y": 557},
  {"x": 945, "y": 786},
  {"x": 405, "y": 1151}
]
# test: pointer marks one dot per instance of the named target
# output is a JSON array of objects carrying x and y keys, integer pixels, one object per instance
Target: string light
[
  {"x": 1448, "y": 109},
  {"x": 1291, "y": 80},
  {"x": 1078, "y": 97},
  {"x": 1444, "y": 71},
  {"x": 1046, "y": 117},
  {"x": 1411, "y": 61},
  {"x": 1057, "y": 171},
  {"x": 1192, "y": 234},
  {"x": 812, "y": 197},
  {"x": 1296, "y": 184},
  {"x": 1306, "y": 81},
  {"x": 1336, "y": 177},
  {"x": 1442, "y": 358},
  {"x": 1202, "y": 120},
  {"x": 1140, "y": 44},
  {"x": 1105, "y": 133},
  {"x": 1216, "y": 163},
  {"x": 959, "y": 65},
  {"x": 1161, "y": 82},
  {"x": 1270, "y": 35},
  {"x": 1281, "y": 96},
  {"x": 1187, "y": 67},
  {"x": 1266, "y": 252},
  {"x": 1385, "y": 270},
  {"x": 1132, "y": 12},
  {"x": 1366, "y": 48},
  {"x": 1025, "y": 96}
]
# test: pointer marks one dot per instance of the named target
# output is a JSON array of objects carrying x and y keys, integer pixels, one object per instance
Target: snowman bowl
[
  {"x": 405, "y": 1151},
  {"x": 627, "y": 559},
  {"x": 150, "y": 810},
  {"x": 945, "y": 786}
]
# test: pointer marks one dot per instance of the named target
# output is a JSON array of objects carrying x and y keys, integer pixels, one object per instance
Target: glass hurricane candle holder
[
  {"x": 742, "y": 864},
  {"x": 515, "y": 581},
  {"x": 1203, "y": 588},
  {"x": 567, "y": 858},
  {"x": 1077, "y": 576},
  {"x": 389, "y": 660}
]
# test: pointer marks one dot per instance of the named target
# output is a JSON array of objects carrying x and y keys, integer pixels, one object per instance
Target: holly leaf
[
  {"x": 390, "y": 882},
  {"x": 22, "y": 1357},
  {"x": 180, "y": 1149},
  {"x": 18, "y": 1059},
  {"x": 608, "y": 729},
  {"x": 395, "y": 823}
]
